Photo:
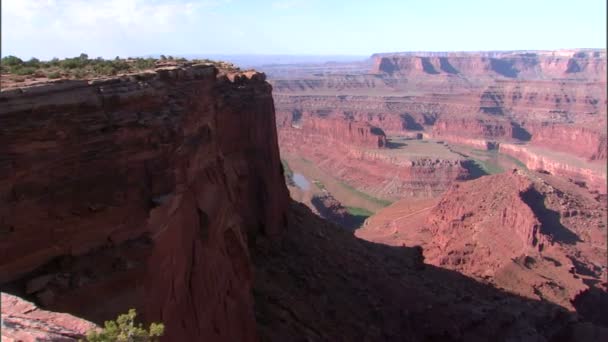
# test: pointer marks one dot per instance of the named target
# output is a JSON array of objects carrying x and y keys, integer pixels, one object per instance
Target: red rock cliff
[
  {"x": 142, "y": 190},
  {"x": 350, "y": 132}
]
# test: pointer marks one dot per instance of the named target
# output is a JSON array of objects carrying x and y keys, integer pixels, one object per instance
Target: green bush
[
  {"x": 81, "y": 66},
  {"x": 53, "y": 75},
  {"x": 23, "y": 70},
  {"x": 79, "y": 73},
  {"x": 11, "y": 61},
  {"x": 124, "y": 329},
  {"x": 33, "y": 62},
  {"x": 53, "y": 62}
]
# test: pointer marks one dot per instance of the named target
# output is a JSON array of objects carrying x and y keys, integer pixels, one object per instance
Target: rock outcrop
[
  {"x": 22, "y": 321},
  {"x": 530, "y": 233},
  {"x": 141, "y": 191}
]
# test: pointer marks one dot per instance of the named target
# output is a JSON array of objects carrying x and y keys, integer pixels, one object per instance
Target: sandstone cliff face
[
  {"x": 541, "y": 64},
  {"x": 350, "y": 132},
  {"x": 592, "y": 174},
  {"x": 488, "y": 128},
  {"x": 584, "y": 142},
  {"x": 145, "y": 188}
]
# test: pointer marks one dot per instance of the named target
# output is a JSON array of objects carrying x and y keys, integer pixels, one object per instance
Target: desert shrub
[
  {"x": 124, "y": 329},
  {"x": 141, "y": 63},
  {"x": 79, "y": 73},
  {"x": 53, "y": 62},
  {"x": 33, "y": 62},
  {"x": 23, "y": 70},
  {"x": 11, "y": 61},
  {"x": 71, "y": 63},
  {"x": 53, "y": 75}
]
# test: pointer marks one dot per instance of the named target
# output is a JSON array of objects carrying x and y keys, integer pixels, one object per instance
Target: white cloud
[{"x": 105, "y": 25}]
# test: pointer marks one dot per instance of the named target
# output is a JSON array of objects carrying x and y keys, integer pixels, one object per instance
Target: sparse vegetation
[
  {"x": 124, "y": 329},
  {"x": 359, "y": 212},
  {"x": 488, "y": 167},
  {"x": 381, "y": 202},
  {"x": 83, "y": 67},
  {"x": 319, "y": 184},
  {"x": 288, "y": 173}
]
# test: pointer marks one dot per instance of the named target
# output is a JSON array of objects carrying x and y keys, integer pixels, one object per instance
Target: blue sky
[{"x": 60, "y": 28}]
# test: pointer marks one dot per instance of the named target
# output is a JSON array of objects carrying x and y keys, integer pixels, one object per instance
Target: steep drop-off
[{"x": 141, "y": 191}]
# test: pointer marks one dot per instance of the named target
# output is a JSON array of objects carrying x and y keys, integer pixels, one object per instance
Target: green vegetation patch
[
  {"x": 83, "y": 66},
  {"x": 319, "y": 184},
  {"x": 288, "y": 172},
  {"x": 124, "y": 329},
  {"x": 488, "y": 166},
  {"x": 359, "y": 211},
  {"x": 381, "y": 202},
  {"x": 515, "y": 161}
]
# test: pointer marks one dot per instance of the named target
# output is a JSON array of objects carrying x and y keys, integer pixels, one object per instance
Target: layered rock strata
[{"x": 141, "y": 191}]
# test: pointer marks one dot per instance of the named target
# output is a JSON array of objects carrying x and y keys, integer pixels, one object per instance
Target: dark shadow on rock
[
  {"x": 493, "y": 103},
  {"x": 321, "y": 283},
  {"x": 444, "y": 64},
  {"x": 395, "y": 144},
  {"x": 408, "y": 122},
  {"x": 336, "y": 213},
  {"x": 474, "y": 170},
  {"x": 520, "y": 133},
  {"x": 503, "y": 67},
  {"x": 592, "y": 304},
  {"x": 573, "y": 66},
  {"x": 296, "y": 116},
  {"x": 429, "y": 118},
  {"x": 428, "y": 67},
  {"x": 377, "y": 131},
  {"x": 549, "y": 219}
]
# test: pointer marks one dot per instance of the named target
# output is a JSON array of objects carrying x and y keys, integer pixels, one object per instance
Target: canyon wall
[
  {"x": 143, "y": 190},
  {"x": 591, "y": 174},
  {"x": 357, "y": 153},
  {"x": 350, "y": 132},
  {"x": 551, "y": 101},
  {"x": 586, "y": 64}
]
